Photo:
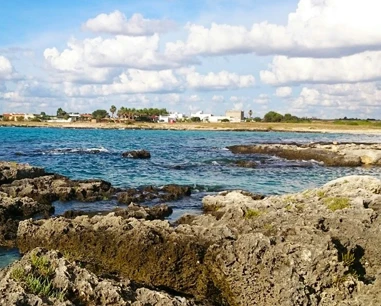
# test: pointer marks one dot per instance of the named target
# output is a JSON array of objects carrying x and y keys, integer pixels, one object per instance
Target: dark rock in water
[
  {"x": 71, "y": 214},
  {"x": 11, "y": 171},
  {"x": 12, "y": 210},
  {"x": 140, "y": 154},
  {"x": 245, "y": 163},
  {"x": 72, "y": 285},
  {"x": 157, "y": 212},
  {"x": 149, "y": 193}
]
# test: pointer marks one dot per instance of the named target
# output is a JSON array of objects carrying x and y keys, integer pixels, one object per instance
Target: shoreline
[{"x": 314, "y": 127}]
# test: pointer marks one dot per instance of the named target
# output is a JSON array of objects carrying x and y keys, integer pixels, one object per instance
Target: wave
[{"x": 76, "y": 151}]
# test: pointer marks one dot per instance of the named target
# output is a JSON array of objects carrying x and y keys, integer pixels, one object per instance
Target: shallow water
[{"x": 196, "y": 158}]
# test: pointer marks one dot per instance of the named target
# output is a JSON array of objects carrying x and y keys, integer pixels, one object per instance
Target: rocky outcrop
[
  {"x": 11, "y": 171},
  {"x": 331, "y": 154},
  {"x": 46, "y": 189},
  {"x": 317, "y": 247},
  {"x": 140, "y": 154},
  {"x": 149, "y": 193},
  {"x": 12, "y": 210},
  {"x": 47, "y": 278}
]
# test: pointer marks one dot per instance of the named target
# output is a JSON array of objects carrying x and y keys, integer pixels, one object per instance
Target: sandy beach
[{"x": 320, "y": 127}]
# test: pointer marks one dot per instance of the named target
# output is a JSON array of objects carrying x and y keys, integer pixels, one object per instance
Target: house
[
  {"x": 74, "y": 116},
  {"x": 17, "y": 116},
  {"x": 171, "y": 118},
  {"x": 86, "y": 117},
  {"x": 202, "y": 116},
  {"x": 235, "y": 115}
]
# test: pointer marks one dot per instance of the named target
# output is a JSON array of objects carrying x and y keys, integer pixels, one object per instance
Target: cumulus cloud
[
  {"x": 318, "y": 28},
  {"x": 262, "y": 99},
  {"x": 218, "y": 99},
  {"x": 6, "y": 68},
  {"x": 355, "y": 68},
  {"x": 360, "y": 100},
  {"x": 283, "y": 92},
  {"x": 219, "y": 81},
  {"x": 94, "y": 59},
  {"x": 117, "y": 23}
]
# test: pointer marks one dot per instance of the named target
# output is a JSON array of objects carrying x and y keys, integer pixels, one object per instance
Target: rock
[
  {"x": 70, "y": 284},
  {"x": 11, "y": 171},
  {"x": 331, "y": 154},
  {"x": 12, "y": 210},
  {"x": 46, "y": 189},
  {"x": 245, "y": 163},
  {"x": 150, "y": 193},
  {"x": 157, "y": 212},
  {"x": 140, "y": 154},
  {"x": 319, "y": 247}
]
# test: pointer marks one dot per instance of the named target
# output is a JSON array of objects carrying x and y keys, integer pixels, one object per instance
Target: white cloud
[
  {"x": 218, "y": 99},
  {"x": 356, "y": 100},
  {"x": 318, "y": 28},
  {"x": 6, "y": 68},
  {"x": 117, "y": 23},
  {"x": 219, "y": 81},
  {"x": 95, "y": 59},
  {"x": 262, "y": 99},
  {"x": 283, "y": 92},
  {"x": 355, "y": 68}
]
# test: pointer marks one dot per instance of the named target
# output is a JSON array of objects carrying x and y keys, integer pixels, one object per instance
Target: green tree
[
  {"x": 61, "y": 113},
  {"x": 112, "y": 110},
  {"x": 273, "y": 117},
  {"x": 250, "y": 113},
  {"x": 100, "y": 114}
]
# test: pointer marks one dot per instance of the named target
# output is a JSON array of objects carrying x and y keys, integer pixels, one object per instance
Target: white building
[
  {"x": 209, "y": 117},
  {"x": 171, "y": 118}
]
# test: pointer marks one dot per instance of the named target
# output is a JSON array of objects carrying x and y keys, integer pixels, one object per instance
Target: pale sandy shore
[{"x": 321, "y": 127}]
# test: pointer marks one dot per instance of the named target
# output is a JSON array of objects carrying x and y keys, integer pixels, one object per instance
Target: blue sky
[{"x": 315, "y": 58}]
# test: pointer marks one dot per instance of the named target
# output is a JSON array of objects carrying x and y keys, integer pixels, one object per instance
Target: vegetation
[
  {"x": 133, "y": 113},
  {"x": 100, "y": 114},
  {"x": 336, "y": 203},
  {"x": 276, "y": 117},
  {"x": 61, "y": 113},
  {"x": 225, "y": 120},
  {"x": 112, "y": 110},
  {"x": 253, "y": 213},
  {"x": 39, "y": 280},
  {"x": 195, "y": 119}
]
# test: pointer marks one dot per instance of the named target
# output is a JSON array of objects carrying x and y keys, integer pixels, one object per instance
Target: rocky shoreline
[
  {"x": 331, "y": 154},
  {"x": 316, "y": 247}
]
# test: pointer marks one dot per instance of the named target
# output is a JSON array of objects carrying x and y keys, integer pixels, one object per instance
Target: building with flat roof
[{"x": 235, "y": 115}]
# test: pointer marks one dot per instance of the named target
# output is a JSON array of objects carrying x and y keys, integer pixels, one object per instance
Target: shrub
[{"x": 253, "y": 213}]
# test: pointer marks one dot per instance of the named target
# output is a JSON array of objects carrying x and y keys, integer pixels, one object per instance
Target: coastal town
[{"x": 145, "y": 115}]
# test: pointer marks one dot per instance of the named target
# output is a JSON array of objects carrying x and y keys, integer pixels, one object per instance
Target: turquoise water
[{"x": 196, "y": 158}]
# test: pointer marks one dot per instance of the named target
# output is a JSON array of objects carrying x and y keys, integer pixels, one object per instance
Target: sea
[{"x": 199, "y": 159}]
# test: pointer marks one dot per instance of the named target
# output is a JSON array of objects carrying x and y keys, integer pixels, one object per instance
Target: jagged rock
[
  {"x": 166, "y": 193},
  {"x": 157, "y": 212},
  {"x": 245, "y": 163},
  {"x": 12, "y": 210},
  {"x": 319, "y": 247},
  {"x": 11, "y": 171},
  {"x": 331, "y": 154},
  {"x": 72, "y": 285},
  {"x": 46, "y": 189},
  {"x": 140, "y": 154}
]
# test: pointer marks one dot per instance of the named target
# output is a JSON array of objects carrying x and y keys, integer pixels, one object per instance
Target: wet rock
[
  {"x": 331, "y": 154},
  {"x": 12, "y": 210},
  {"x": 150, "y": 193},
  {"x": 70, "y": 284},
  {"x": 140, "y": 154},
  {"x": 317, "y": 247},
  {"x": 157, "y": 212},
  {"x": 46, "y": 189},
  {"x": 11, "y": 171},
  {"x": 245, "y": 163}
]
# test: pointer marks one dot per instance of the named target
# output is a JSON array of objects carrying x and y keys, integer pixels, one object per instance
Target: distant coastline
[{"x": 314, "y": 127}]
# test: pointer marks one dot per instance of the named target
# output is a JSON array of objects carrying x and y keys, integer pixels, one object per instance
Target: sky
[{"x": 310, "y": 58}]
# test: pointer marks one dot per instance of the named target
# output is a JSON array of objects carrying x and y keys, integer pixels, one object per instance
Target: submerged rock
[
  {"x": 317, "y": 247},
  {"x": 47, "y": 278},
  {"x": 140, "y": 154},
  {"x": 149, "y": 193},
  {"x": 331, "y": 154}
]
